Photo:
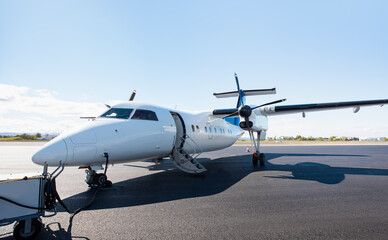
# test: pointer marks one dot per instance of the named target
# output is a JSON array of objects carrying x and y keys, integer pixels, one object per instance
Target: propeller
[
  {"x": 132, "y": 95},
  {"x": 245, "y": 111}
]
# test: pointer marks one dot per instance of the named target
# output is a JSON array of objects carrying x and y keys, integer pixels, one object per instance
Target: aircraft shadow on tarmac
[{"x": 172, "y": 184}]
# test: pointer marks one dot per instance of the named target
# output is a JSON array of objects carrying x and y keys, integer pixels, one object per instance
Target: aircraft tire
[
  {"x": 101, "y": 179},
  {"x": 262, "y": 159},
  {"x": 107, "y": 184},
  {"x": 18, "y": 231},
  {"x": 254, "y": 160}
]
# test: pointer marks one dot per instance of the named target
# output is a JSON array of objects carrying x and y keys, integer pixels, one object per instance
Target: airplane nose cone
[{"x": 51, "y": 153}]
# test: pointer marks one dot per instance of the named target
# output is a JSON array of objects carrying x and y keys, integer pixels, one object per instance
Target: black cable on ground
[
  {"x": 53, "y": 191},
  {"x": 106, "y": 155},
  {"x": 91, "y": 200}
]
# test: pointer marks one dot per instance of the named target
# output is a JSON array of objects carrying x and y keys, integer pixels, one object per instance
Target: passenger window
[
  {"x": 215, "y": 130},
  {"x": 145, "y": 115},
  {"x": 192, "y": 128},
  {"x": 197, "y": 128},
  {"x": 205, "y": 129},
  {"x": 117, "y": 113},
  {"x": 210, "y": 129}
]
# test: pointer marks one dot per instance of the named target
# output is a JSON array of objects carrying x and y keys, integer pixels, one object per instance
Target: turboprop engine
[
  {"x": 251, "y": 119},
  {"x": 257, "y": 122}
]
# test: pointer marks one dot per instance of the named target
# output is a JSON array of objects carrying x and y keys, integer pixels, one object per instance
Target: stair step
[{"x": 185, "y": 162}]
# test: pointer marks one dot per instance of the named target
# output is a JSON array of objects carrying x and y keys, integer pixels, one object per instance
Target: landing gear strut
[{"x": 95, "y": 180}]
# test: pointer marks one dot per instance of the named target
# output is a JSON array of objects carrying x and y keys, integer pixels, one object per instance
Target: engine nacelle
[
  {"x": 257, "y": 122},
  {"x": 244, "y": 125}
]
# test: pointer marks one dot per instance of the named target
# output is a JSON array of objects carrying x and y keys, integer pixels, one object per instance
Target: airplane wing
[{"x": 301, "y": 108}]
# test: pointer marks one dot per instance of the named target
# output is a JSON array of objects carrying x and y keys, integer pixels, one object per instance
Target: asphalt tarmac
[{"x": 304, "y": 192}]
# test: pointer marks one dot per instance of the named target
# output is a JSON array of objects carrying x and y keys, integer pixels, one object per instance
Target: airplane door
[
  {"x": 209, "y": 131},
  {"x": 180, "y": 130}
]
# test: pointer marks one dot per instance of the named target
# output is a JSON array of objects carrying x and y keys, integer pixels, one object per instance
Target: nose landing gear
[{"x": 94, "y": 179}]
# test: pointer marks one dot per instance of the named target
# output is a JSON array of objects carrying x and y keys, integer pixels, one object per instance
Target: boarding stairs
[{"x": 185, "y": 161}]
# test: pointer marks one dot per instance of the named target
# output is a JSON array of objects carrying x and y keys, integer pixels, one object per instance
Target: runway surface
[{"x": 304, "y": 192}]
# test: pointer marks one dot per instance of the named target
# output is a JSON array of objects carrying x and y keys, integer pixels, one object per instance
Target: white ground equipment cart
[{"x": 22, "y": 199}]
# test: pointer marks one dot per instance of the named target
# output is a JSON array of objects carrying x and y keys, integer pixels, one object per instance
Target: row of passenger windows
[
  {"x": 124, "y": 113},
  {"x": 141, "y": 114},
  {"x": 210, "y": 129}
]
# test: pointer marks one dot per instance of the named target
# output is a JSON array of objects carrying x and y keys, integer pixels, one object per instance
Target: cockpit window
[
  {"x": 122, "y": 113},
  {"x": 145, "y": 115}
]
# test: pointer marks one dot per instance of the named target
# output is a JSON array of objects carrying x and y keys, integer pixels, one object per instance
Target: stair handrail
[
  {"x": 200, "y": 149},
  {"x": 195, "y": 151}
]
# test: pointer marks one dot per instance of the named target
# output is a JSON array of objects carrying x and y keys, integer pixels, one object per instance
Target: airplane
[{"x": 132, "y": 131}]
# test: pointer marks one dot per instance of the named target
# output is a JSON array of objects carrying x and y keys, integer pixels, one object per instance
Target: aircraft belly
[{"x": 207, "y": 145}]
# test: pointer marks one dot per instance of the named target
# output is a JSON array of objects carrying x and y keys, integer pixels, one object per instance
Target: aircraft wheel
[
  {"x": 254, "y": 159},
  {"x": 262, "y": 159},
  {"x": 101, "y": 179},
  {"x": 18, "y": 231},
  {"x": 107, "y": 184}
]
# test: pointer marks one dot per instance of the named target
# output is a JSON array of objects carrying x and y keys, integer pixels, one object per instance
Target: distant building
[
  {"x": 48, "y": 136},
  {"x": 370, "y": 139}
]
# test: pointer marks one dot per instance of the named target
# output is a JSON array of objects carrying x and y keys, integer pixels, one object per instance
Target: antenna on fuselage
[{"x": 132, "y": 95}]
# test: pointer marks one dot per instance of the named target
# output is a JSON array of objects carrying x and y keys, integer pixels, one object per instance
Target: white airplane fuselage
[
  {"x": 132, "y": 131},
  {"x": 129, "y": 139}
]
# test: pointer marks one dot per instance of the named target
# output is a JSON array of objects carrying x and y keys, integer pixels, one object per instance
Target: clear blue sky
[{"x": 180, "y": 52}]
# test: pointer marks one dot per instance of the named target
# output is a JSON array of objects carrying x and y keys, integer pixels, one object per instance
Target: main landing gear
[
  {"x": 96, "y": 180},
  {"x": 257, "y": 156},
  {"x": 256, "y": 159}
]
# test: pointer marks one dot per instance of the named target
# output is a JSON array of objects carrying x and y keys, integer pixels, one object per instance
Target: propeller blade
[
  {"x": 277, "y": 101},
  {"x": 247, "y": 123},
  {"x": 238, "y": 84},
  {"x": 132, "y": 95},
  {"x": 231, "y": 115},
  {"x": 250, "y": 134},
  {"x": 239, "y": 91}
]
